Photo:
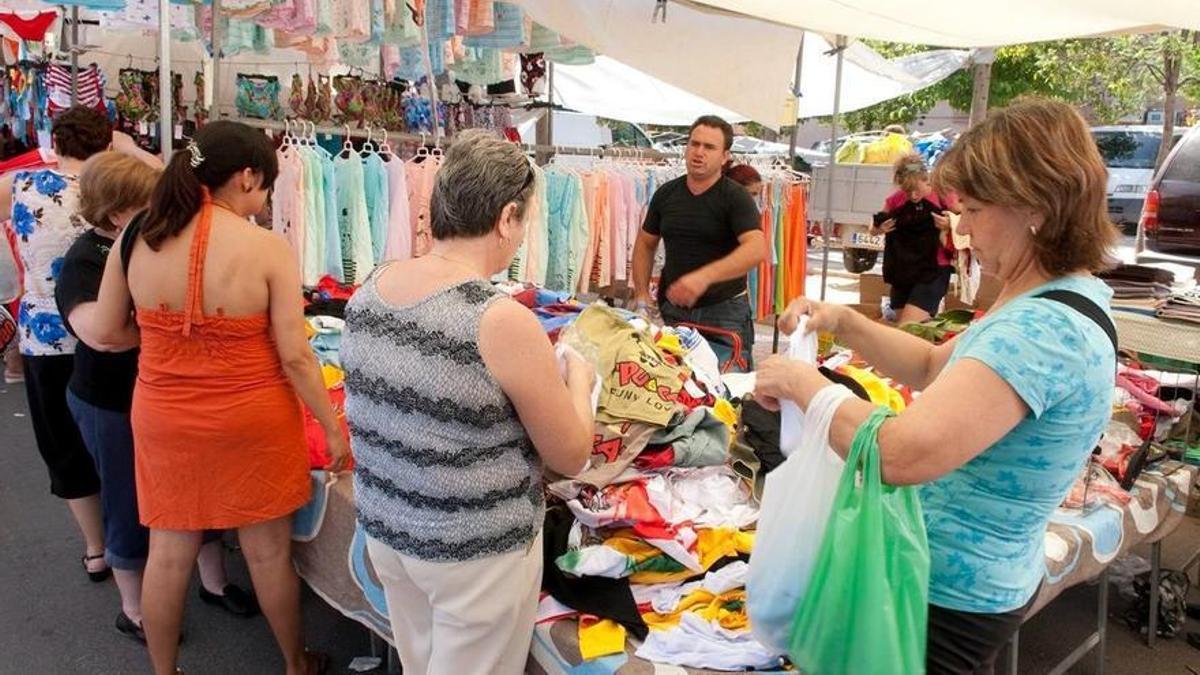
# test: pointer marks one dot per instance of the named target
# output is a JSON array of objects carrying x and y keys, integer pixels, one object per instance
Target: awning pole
[
  {"x": 165, "y": 98},
  {"x": 74, "y": 55},
  {"x": 827, "y": 227},
  {"x": 215, "y": 89},
  {"x": 433, "y": 95}
]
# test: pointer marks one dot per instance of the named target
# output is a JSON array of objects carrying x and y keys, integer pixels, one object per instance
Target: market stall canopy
[
  {"x": 959, "y": 23},
  {"x": 740, "y": 64}
]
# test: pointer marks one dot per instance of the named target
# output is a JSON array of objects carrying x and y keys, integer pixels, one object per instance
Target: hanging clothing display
[{"x": 33, "y": 28}]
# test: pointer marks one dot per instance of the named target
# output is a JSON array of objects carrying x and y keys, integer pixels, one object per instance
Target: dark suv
[{"x": 1170, "y": 224}]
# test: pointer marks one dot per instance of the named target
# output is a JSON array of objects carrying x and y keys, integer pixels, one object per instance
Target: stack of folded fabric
[
  {"x": 1184, "y": 306},
  {"x": 1138, "y": 287}
]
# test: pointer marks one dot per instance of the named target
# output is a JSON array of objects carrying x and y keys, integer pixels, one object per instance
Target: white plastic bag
[
  {"x": 803, "y": 347},
  {"x": 797, "y": 498}
]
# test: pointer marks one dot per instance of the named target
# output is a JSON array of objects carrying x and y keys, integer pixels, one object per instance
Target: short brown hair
[
  {"x": 715, "y": 122},
  {"x": 1038, "y": 154},
  {"x": 112, "y": 182},
  {"x": 80, "y": 132},
  {"x": 907, "y": 169}
]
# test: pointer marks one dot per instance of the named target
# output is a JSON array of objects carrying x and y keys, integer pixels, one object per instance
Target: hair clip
[{"x": 197, "y": 157}]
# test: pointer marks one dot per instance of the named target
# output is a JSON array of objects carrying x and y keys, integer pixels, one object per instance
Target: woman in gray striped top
[{"x": 455, "y": 401}]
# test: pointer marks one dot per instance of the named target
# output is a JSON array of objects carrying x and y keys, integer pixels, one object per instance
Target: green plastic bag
[{"x": 866, "y": 608}]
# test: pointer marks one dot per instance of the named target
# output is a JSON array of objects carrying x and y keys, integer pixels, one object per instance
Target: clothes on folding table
[
  {"x": 626, "y": 554},
  {"x": 880, "y": 392},
  {"x": 614, "y": 447},
  {"x": 698, "y": 439},
  {"x": 600, "y": 637},
  {"x": 698, "y": 643},
  {"x": 639, "y": 382},
  {"x": 607, "y": 598}
]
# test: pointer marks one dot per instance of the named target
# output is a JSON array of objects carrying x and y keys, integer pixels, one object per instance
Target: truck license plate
[{"x": 864, "y": 240}]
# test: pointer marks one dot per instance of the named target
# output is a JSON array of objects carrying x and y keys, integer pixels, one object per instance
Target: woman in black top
[
  {"x": 917, "y": 259},
  {"x": 114, "y": 187}
]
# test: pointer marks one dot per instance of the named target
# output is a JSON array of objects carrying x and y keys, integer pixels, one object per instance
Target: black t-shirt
[
  {"x": 103, "y": 379},
  {"x": 699, "y": 229}
]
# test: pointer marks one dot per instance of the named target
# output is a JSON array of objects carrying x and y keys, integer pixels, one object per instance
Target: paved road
[{"x": 53, "y": 620}]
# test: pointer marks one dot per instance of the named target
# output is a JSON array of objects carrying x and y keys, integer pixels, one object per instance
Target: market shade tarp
[
  {"x": 612, "y": 89},
  {"x": 970, "y": 23},
  {"x": 740, "y": 64}
]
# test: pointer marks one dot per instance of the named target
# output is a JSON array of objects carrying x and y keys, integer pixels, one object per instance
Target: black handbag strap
[{"x": 1086, "y": 307}]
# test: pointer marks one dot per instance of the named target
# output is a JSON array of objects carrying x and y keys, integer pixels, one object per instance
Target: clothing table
[
  {"x": 1080, "y": 545},
  {"x": 330, "y": 555}
]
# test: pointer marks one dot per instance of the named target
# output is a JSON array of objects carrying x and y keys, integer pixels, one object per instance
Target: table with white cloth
[{"x": 330, "y": 555}]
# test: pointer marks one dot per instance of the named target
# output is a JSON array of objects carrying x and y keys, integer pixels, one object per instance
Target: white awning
[{"x": 964, "y": 23}]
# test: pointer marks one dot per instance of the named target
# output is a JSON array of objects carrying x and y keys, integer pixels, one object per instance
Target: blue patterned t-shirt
[{"x": 986, "y": 520}]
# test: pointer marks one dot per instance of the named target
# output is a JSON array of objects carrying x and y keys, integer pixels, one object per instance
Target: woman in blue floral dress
[{"x": 42, "y": 205}]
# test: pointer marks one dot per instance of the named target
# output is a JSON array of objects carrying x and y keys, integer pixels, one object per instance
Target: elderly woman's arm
[{"x": 964, "y": 412}]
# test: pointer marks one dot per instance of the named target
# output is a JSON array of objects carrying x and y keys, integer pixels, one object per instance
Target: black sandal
[{"x": 96, "y": 577}]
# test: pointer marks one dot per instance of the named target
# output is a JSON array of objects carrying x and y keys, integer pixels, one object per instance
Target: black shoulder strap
[
  {"x": 129, "y": 238},
  {"x": 1086, "y": 307}
]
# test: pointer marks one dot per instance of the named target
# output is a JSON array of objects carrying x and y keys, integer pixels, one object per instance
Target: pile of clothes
[
  {"x": 1138, "y": 287},
  {"x": 325, "y": 312},
  {"x": 651, "y": 541}
]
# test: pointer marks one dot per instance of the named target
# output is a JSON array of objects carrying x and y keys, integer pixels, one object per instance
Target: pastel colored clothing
[
  {"x": 399, "y": 233},
  {"x": 44, "y": 223},
  {"x": 218, "y": 429},
  {"x": 375, "y": 176},
  {"x": 987, "y": 519},
  {"x": 353, "y": 222}
]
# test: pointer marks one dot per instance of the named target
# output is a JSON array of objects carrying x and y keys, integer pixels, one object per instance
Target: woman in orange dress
[{"x": 218, "y": 430}]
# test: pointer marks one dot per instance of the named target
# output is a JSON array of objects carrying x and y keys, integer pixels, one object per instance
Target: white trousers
[{"x": 457, "y": 618}]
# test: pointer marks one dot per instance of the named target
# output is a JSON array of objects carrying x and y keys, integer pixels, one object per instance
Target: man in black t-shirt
[{"x": 709, "y": 226}]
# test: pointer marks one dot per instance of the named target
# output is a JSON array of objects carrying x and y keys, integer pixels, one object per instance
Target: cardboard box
[{"x": 871, "y": 289}]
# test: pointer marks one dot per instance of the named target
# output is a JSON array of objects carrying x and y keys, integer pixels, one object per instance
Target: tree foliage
[{"x": 1107, "y": 77}]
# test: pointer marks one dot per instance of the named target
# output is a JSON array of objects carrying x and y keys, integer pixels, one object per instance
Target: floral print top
[{"x": 44, "y": 206}]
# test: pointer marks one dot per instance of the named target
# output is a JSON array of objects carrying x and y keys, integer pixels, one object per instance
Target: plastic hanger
[
  {"x": 369, "y": 145},
  {"x": 385, "y": 150},
  {"x": 287, "y": 134},
  {"x": 347, "y": 147}
]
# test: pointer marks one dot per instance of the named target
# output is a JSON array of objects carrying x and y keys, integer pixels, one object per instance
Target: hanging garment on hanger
[
  {"x": 796, "y": 255},
  {"x": 33, "y": 28},
  {"x": 375, "y": 177},
  {"x": 353, "y": 223},
  {"x": 89, "y": 88},
  {"x": 421, "y": 171},
  {"x": 287, "y": 207},
  {"x": 314, "y": 216},
  {"x": 334, "y": 256},
  {"x": 399, "y": 231},
  {"x": 509, "y": 29}
]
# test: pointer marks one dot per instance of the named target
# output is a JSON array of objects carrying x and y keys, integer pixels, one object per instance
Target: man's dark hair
[
  {"x": 716, "y": 123},
  {"x": 80, "y": 132}
]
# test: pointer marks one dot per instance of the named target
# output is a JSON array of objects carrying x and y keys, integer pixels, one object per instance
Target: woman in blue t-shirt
[{"x": 1011, "y": 409}]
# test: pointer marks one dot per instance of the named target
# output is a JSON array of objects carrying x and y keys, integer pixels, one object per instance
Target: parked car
[
  {"x": 1129, "y": 153},
  {"x": 1169, "y": 227}
]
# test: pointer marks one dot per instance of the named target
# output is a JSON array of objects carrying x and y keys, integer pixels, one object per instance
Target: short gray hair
[{"x": 480, "y": 175}]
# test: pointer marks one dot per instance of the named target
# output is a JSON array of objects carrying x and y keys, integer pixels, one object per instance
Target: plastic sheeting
[{"x": 959, "y": 23}]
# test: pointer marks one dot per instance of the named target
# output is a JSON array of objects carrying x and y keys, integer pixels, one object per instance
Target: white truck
[{"x": 859, "y": 191}]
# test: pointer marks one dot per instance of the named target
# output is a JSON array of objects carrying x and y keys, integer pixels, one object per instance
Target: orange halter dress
[{"x": 218, "y": 430}]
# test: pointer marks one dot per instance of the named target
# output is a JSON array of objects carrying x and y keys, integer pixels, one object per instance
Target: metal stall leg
[
  {"x": 1155, "y": 566},
  {"x": 1102, "y": 622},
  {"x": 1014, "y": 648}
]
